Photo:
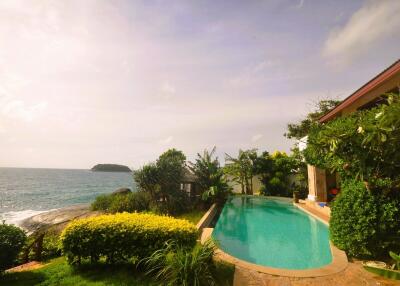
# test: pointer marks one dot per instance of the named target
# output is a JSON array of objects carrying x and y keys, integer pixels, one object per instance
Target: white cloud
[
  {"x": 372, "y": 23},
  {"x": 166, "y": 140},
  {"x": 167, "y": 90},
  {"x": 17, "y": 109},
  {"x": 256, "y": 137}
]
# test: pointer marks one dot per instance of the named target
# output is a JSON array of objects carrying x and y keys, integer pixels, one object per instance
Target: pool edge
[{"x": 338, "y": 264}]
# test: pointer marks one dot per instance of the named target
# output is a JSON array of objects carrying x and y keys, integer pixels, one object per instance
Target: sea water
[{"x": 25, "y": 192}]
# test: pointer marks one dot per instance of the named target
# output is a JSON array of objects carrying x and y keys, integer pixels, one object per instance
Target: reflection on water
[{"x": 273, "y": 233}]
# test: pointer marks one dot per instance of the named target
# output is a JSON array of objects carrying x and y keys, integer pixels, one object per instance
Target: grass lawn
[
  {"x": 58, "y": 272},
  {"x": 193, "y": 216}
]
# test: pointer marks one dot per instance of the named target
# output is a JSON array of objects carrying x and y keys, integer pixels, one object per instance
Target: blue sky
[{"x": 85, "y": 82}]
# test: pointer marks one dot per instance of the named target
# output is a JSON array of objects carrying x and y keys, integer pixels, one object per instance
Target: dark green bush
[
  {"x": 123, "y": 236},
  {"x": 366, "y": 223},
  {"x": 131, "y": 202},
  {"x": 102, "y": 203},
  {"x": 12, "y": 239}
]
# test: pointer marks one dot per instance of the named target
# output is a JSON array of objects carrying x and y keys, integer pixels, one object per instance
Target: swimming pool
[{"x": 272, "y": 233}]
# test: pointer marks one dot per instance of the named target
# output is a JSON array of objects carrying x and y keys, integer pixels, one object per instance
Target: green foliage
[
  {"x": 396, "y": 258},
  {"x": 51, "y": 246},
  {"x": 162, "y": 181},
  {"x": 210, "y": 177},
  {"x": 242, "y": 169},
  {"x": 58, "y": 272},
  {"x": 365, "y": 223},
  {"x": 123, "y": 236},
  {"x": 302, "y": 128},
  {"x": 363, "y": 144},
  {"x": 102, "y": 203},
  {"x": 12, "y": 239},
  {"x": 275, "y": 170},
  {"x": 177, "y": 265},
  {"x": 117, "y": 203}
]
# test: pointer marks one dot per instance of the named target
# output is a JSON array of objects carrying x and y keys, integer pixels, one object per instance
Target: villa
[{"x": 321, "y": 182}]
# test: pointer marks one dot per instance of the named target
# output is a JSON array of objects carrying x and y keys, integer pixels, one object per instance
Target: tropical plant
[
  {"x": 274, "y": 171},
  {"x": 178, "y": 265},
  {"x": 123, "y": 236},
  {"x": 242, "y": 169},
  {"x": 363, "y": 144},
  {"x": 162, "y": 181},
  {"x": 12, "y": 239},
  {"x": 210, "y": 176},
  {"x": 396, "y": 258}
]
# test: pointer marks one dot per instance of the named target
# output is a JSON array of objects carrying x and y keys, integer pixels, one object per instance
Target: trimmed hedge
[
  {"x": 366, "y": 223},
  {"x": 123, "y": 236}
]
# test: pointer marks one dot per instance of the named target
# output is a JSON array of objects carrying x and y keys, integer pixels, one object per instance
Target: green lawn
[
  {"x": 193, "y": 216},
  {"x": 58, "y": 272}
]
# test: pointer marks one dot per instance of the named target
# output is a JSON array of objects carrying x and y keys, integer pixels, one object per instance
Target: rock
[
  {"x": 122, "y": 191},
  {"x": 56, "y": 219}
]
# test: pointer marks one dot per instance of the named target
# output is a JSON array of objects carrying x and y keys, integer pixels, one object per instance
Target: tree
[
  {"x": 275, "y": 170},
  {"x": 300, "y": 129},
  {"x": 162, "y": 180},
  {"x": 242, "y": 169},
  {"x": 210, "y": 176}
]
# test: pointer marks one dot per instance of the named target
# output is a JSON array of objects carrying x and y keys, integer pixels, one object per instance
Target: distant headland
[{"x": 110, "y": 168}]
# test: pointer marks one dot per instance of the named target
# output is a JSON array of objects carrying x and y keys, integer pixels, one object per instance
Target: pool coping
[{"x": 338, "y": 264}]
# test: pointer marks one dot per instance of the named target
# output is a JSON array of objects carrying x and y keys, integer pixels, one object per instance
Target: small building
[
  {"x": 189, "y": 184},
  {"x": 367, "y": 96}
]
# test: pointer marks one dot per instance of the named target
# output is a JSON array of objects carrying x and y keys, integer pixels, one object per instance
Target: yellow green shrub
[{"x": 123, "y": 236}]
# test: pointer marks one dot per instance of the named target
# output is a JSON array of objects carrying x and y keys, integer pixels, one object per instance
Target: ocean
[{"x": 26, "y": 192}]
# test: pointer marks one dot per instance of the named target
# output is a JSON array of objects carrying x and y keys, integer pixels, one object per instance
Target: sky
[{"x": 87, "y": 82}]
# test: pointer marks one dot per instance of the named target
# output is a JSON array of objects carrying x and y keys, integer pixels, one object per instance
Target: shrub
[
  {"x": 123, "y": 236},
  {"x": 102, "y": 203},
  {"x": 114, "y": 203},
  {"x": 12, "y": 239},
  {"x": 365, "y": 223},
  {"x": 177, "y": 265}
]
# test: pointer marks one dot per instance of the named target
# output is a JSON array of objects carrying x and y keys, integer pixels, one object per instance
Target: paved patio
[{"x": 354, "y": 274}]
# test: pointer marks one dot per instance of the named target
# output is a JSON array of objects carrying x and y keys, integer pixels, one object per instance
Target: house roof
[
  {"x": 373, "y": 83},
  {"x": 188, "y": 176}
]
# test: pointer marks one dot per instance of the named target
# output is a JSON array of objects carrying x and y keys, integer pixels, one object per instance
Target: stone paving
[{"x": 354, "y": 274}]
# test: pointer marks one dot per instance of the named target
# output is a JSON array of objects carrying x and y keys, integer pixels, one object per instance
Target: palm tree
[{"x": 242, "y": 169}]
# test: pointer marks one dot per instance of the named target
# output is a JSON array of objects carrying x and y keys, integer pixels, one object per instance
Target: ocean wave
[{"x": 16, "y": 217}]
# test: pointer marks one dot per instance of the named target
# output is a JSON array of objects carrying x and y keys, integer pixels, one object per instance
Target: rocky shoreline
[{"x": 56, "y": 219}]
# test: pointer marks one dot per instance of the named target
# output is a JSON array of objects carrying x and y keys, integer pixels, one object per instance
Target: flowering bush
[{"x": 123, "y": 236}]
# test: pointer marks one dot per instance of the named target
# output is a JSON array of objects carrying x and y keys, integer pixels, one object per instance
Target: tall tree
[{"x": 300, "y": 129}]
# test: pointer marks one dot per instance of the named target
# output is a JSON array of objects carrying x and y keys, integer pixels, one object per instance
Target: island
[{"x": 110, "y": 168}]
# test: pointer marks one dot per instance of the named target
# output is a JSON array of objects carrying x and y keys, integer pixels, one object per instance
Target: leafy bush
[
  {"x": 131, "y": 202},
  {"x": 123, "y": 236},
  {"x": 177, "y": 265},
  {"x": 365, "y": 223},
  {"x": 12, "y": 239},
  {"x": 162, "y": 179}
]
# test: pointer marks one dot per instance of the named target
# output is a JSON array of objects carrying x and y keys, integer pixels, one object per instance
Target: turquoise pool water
[{"x": 273, "y": 233}]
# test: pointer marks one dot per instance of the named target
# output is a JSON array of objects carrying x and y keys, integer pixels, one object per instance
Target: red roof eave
[{"x": 373, "y": 83}]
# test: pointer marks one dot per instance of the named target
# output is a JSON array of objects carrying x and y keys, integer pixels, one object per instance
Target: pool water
[{"x": 272, "y": 233}]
